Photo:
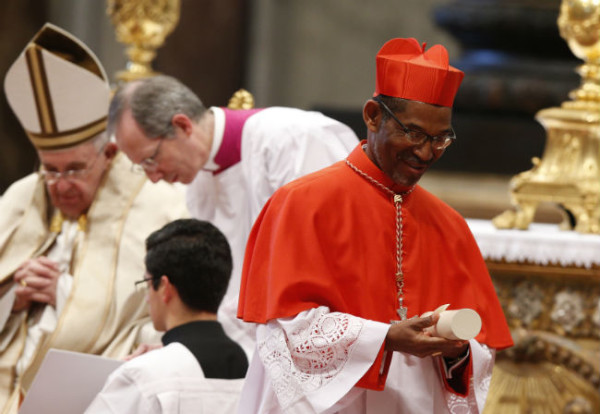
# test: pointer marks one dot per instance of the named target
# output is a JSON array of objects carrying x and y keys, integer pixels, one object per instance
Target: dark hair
[{"x": 196, "y": 258}]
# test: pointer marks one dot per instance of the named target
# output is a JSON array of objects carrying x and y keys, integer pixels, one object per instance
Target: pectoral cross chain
[{"x": 399, "y": 277}]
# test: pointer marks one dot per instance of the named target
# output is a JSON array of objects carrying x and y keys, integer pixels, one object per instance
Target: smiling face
[
  {"x": 74, "y": 195},
  {"x": 174, "y": 160},
  {"x": 391, "y": 151}
]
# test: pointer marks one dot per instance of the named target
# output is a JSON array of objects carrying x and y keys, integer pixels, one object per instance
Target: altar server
[{"x": 199, "y": 369}]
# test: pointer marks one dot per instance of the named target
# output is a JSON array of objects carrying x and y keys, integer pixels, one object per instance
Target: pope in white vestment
[{"x": 95, "y": 254}]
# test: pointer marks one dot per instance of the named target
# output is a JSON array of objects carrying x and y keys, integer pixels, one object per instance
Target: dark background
[{"x": 514, "y": 59}]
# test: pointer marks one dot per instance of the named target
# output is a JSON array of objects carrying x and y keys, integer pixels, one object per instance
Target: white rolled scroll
[{"x": 459, "y": 324}]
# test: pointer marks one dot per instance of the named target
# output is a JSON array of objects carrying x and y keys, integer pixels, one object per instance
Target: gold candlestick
[
  {"x": 568, "y": 174},
  {"x": 143, "y": 25}
]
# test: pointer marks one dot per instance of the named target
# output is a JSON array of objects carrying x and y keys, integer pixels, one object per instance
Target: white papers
[{"x": 67, "y": 382}]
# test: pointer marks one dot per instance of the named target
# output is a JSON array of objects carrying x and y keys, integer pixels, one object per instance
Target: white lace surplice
[{"x": 310, "y": 364}]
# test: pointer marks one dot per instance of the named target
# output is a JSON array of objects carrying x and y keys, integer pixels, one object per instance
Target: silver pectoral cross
[{"x": 401, "y": 313}]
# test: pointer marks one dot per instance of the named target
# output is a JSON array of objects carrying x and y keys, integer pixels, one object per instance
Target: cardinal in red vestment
[{"x": 341, "y": 263}]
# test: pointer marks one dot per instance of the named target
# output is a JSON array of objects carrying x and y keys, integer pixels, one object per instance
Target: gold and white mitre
[{"x": 58, "y": 90}]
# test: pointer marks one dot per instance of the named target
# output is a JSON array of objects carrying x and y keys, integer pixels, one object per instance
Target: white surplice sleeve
[
  {"x": 314, "y": 360},
  {"x": 311, "y": 363}
]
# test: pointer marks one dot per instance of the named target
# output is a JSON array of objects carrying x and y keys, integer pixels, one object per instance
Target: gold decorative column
[
  {"x": 568, "y": 174},
  {"x": 143, "y": 25}
]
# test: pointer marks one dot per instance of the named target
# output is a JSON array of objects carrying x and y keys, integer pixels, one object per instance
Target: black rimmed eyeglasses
[
  {"x": 415, "y": 137},
  {"x": 143, "y": 281}
]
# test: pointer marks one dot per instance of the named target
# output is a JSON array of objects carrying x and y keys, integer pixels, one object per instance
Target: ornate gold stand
[
  {"x": 144, "y": 25},
  {"x": 568, "y": 173},
  {"x": 554, "y": 315},
  {"x": 241, "y": 99}
]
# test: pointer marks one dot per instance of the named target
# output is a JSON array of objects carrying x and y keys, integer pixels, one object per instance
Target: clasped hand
[
  {"x": 409, "y": 337},
  {"x": 37, "y": 280}
]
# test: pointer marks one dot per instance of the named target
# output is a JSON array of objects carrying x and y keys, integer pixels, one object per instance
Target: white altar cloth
[{"x": 542, "y": 244}]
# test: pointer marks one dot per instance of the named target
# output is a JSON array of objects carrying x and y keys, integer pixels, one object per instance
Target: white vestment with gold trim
[{"x": 102, "y": 314}]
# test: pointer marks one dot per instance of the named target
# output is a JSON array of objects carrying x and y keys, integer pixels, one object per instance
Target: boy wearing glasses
[
  {"x": 71, "y": 234},
  {"x": 341, "y": 263},
  {"x": 199, "y": 369}
]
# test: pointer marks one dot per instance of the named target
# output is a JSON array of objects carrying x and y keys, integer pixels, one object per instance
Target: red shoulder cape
[{"x": 328, "y": 239}]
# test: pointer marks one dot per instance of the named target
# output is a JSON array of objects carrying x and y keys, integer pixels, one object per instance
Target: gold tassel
[
  {"x": 58, "y": 218},
  {"x": 82, "y": 223},
  {"x": 57, "y": 221}
]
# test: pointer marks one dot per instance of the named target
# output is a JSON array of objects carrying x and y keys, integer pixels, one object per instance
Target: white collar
[{"x": 219, "y": 130}]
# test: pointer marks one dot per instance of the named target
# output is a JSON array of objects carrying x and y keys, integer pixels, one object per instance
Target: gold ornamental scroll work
[{"x": 143, "y": 25}]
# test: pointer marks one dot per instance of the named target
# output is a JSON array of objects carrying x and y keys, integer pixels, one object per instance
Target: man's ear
[
  {"x": 372, "y": 115},
  {"x": 167, "y": 290},
  {"x": 182, "y": 121}
]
